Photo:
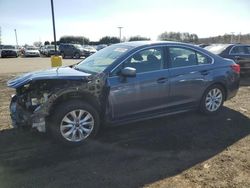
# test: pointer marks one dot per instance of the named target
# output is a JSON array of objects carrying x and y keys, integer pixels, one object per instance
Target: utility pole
[
  {"x": 16, "y": 38},
  {"x": 239, "y": 37},
  {"x": 120, "y": 33},
  {"x": 232, "y": 34},
  {"x": 53, "y": 20},
  {"x": 56, "y": 60}
]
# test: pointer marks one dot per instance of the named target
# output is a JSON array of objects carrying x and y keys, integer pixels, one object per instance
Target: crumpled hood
[{"x": 66, "y": 73}]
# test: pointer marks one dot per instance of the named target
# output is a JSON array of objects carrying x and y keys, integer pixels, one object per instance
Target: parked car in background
[
  {"x": 9, "y": 51},
  {"x": 71, "y": 50},
  {"x": 101, "y": 46},
  {"x": 203, "y": 45},
  {"x": 41, "y": 50},
  {"x": 50, "y": 50},
  {"x": 240, "y": 53},
  {"x": 89, "y": 50},
  {"x": 31, "y": 51},
  {"x": 122, "y": 83},
  {"x": 1, "y": 47}
]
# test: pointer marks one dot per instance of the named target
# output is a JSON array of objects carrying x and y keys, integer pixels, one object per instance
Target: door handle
[
  {"x": 204, "y": 72},
  {"x": 162, "y": 80}
]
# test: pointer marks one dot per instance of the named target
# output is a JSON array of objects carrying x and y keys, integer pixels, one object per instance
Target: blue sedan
[{"x": 122, "y": 83}]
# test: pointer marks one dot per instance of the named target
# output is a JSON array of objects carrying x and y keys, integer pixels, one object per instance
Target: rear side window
[
  {"x": 182, "y": 57},
  {"x": 238, "y": 50}
]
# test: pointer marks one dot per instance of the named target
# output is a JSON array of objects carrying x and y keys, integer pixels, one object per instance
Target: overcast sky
[{"x": 97, "y": 18}]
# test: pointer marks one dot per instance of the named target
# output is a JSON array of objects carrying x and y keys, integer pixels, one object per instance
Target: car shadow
[{"x": 126, "y": 156}]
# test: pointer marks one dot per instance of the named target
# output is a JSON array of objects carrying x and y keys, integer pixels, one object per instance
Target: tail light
[{"x": 236, "y": 68}]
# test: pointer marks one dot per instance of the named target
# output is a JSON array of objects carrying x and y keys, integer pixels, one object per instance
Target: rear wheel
[
  {"x": 74, "y": 122},
  {"x": 212, "y": 99}
]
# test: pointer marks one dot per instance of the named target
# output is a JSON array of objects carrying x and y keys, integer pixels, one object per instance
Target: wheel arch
[
  {"x": 221, "y": 84},
  {"x": 84, "y": 96}
]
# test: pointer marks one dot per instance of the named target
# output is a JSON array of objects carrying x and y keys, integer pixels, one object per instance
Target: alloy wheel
[
  {"x": 77, "y": 125},
  {"x": 213, "y": 99}
]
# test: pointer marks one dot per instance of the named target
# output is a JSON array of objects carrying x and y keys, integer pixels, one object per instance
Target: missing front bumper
[{"x": 22, "y": 118}]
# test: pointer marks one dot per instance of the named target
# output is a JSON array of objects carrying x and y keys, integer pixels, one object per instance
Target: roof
[{"x": 142, "y": 43}]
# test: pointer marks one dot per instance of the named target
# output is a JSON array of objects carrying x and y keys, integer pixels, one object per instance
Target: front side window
[
  {"x": 182, "y": 57},
  {"x": 146, "y": 60}
]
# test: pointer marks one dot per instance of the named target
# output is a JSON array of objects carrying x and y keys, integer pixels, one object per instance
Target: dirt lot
[{"x": 186, "y": 150}]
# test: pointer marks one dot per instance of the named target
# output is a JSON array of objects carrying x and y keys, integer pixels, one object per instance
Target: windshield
[
  {"x": 31, "y": 48},
  {"x": 99, "y": 61},
  {"x": 52, "y": 47},
  {"x": 216, "y": 48},
  {"x": 78, "y": 46},
  {"x": 9, "y": 47}
]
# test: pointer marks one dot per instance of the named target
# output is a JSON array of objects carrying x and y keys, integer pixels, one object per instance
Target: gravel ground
[{"x": 185, "y": 150}]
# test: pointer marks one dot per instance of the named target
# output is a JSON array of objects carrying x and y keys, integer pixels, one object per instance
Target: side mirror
[{"x": 128, "y": 72}]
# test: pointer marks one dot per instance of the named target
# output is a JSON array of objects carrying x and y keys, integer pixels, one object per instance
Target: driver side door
[{"x": 145, "y": 93}]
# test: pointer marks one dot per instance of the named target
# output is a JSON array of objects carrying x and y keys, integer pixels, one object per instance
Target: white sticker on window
[{"x": 120, "y": 50}]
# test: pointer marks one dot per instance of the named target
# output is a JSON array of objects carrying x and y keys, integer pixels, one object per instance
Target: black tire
[
  {"x": 206, "y": 108},
  {"x": 62, "y": 111},
  {"x": 77, "y": 56}
]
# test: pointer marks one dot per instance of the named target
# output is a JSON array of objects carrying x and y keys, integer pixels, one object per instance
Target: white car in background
[{"x": 31, "y": 52}]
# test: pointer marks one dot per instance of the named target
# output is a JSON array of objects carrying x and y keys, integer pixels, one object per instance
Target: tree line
[
  {"x": 227, "y": 38},
  {"x": 85, "y": 41},
  {"x": 165, "y": 36}
]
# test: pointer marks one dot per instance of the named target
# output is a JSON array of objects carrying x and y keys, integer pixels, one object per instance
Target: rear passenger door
[{"x": 189, "y": 71}]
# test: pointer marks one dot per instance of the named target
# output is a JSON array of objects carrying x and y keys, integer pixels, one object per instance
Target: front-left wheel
[{"x": 73, "y": 122}]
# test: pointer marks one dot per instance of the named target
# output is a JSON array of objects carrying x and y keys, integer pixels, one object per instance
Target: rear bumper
[{"x": 233, "y": 86}]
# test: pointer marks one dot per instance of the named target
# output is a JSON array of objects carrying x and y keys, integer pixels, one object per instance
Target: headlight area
[{"x": 25, "y": 106}]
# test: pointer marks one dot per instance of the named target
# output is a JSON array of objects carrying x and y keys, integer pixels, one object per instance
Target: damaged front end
[
  {"x": 37, "y": 92},
  {"x": 25, "y": 107}
]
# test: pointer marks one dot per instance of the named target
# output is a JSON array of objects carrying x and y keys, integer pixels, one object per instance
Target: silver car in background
[{"x": 31, "y": 51}]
